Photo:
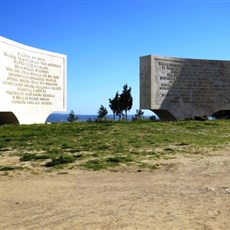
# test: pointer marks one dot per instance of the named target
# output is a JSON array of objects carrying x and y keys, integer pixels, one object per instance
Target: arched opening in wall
[
  {"x": 222, "y": 114},
  {"x": 56, "y": 117},
  {"x": 164, "y": 115},
  {"x": 8, "y": 118}
]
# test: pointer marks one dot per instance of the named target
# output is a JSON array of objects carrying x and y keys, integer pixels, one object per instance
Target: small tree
[
  {"x": 102, "y": 112},
  {"x": 126, "y": 99},
  {"x": 113, "y": 104},
  {"x": 72, "y": 117},
  {"x": 139, "y": 114}
]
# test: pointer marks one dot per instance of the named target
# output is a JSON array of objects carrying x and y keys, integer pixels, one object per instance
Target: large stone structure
[
  {"x": 178, "y": 88},
  {"x": 32, "y": 83}
]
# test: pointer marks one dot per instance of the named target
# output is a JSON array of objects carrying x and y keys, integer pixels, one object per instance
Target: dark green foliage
[
  {"x": 3, "y": 146},
  {"x": 27, "y": 157},
  {"x": 72, "y": 117},
  {"x": 66, "y": 145},
  {"x": 138, "y": 116},
  {"x": 8, "y": 168},
  {"x": 32, "y": 156},
  {"x": 115, "y": 106},
  {"x": 121, "y": 102},
  {"x": 126, "y": 99},
  {"x": 42, "y": 157},
  {"x": 119, "y": 159},
  {"x": 63, "y": 159},
  {"x": 94, "y": 165},
  {"x": 102, "y": 112},
  {"x": 53, "y": 151},
  {"x": 109, "y": 162}
]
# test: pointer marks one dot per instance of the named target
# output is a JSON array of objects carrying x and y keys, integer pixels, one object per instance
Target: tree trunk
[{"x": 113, "y": 116}]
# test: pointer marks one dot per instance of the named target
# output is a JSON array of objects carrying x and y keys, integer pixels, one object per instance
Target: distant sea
[{"x": 62, "y": 117}]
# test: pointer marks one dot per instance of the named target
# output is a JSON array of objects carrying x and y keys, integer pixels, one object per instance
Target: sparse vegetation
[{"x": 107, "y": 145}]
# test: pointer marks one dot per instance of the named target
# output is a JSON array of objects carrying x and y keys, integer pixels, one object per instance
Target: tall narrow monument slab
[
  {"x": 178, "y": 88},
  {"x": 32, "y": 83}
]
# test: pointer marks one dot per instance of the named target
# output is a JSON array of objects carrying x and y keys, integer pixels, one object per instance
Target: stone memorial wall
[
  {"x": 177, "y": 88},
  {"x": 32, "y": 83}
]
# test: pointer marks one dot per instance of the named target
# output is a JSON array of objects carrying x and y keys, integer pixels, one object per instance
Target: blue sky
[{"x": 103, "y": 40}]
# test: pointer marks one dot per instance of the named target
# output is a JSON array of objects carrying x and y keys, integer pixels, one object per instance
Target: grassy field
[{"x": 107, "y": 145}]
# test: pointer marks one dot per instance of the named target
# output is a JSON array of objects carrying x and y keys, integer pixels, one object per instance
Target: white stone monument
[{"x": 32, "y": 83}]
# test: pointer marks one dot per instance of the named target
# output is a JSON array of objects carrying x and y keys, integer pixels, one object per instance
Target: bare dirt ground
[{"x": 189, "y": 192}]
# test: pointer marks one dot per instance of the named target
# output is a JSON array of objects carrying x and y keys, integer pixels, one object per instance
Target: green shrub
[
  {"x": 42, "y": 157},
  {"x": 32, "y": 156},
  {"x": 106, "y": 163},
  {"x": 118, "y": 159},
  {"x": 94, "y": 165},
  {"x": 63, "y": 159},
  {"x": 8, "y": 168},
  {"x": 27, "y": 157}
]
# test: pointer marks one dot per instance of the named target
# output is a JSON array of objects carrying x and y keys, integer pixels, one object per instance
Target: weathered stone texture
[{"x": 186, "y": 88}]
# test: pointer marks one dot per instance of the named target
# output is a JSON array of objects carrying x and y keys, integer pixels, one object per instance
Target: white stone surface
[{"x": 32, "y": 82}]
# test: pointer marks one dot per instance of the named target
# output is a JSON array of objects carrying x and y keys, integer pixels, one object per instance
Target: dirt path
[{"x": 186, "y": 193}]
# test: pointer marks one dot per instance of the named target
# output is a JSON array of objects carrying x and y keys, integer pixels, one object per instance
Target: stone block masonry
[
  {"x": 32, "y": 83},
  {"x": 178, "y": 88}
]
